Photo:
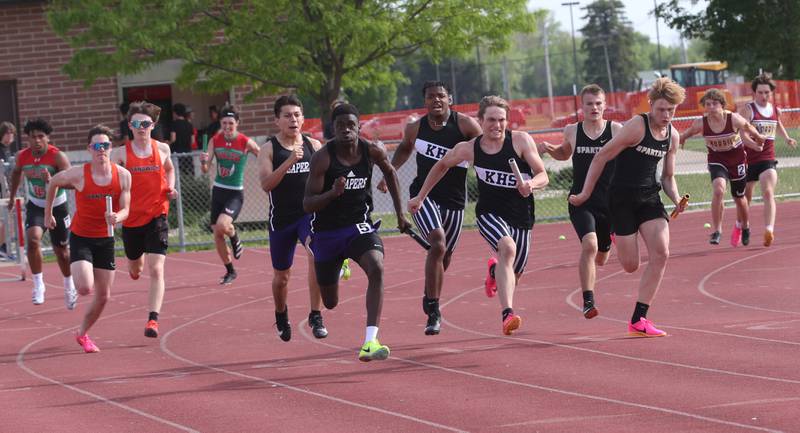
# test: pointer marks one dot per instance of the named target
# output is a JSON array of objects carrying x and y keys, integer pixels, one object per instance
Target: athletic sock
[
  {"x": 639, "y": 312},
  {"x": 229, "y": 267},
  {"x": 153, "y": 316},
  {"x": 315, "y": 313},
  {"x": 38, "y": 279},
  {"x": 588, "y": 297},
  {"x": 432, "y": 305},
  {"x": 507, "y": 312},
  {"x": 738, "y": 224},
  {"x": 68, "y": 284},
  {"x": 372, "y": 333},
  {"x": 770, "y": 228}
]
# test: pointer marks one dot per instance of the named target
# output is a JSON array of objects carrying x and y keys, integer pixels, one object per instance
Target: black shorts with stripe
[
  {"x": 432, "y": 216},
  {"x": 493, "y": 228}
]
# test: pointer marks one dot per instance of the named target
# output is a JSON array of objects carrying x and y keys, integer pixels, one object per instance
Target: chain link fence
[{"x": 190, "y": 213}]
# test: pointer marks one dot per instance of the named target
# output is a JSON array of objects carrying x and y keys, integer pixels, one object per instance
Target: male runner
[
  {"x": 339, "y": 194},
  {"x": 505, "y": 208},
  {"x": 592, "y": 222},
  {"x": 635, "y": 204},
  {"x": 761, "y": 166},
  {"x": 726, "y": 161},
  {"x": 39, "y": 162},
  {"x": 91, "y": 247},
  {"x": 227, "y": 198},
  {"x": 440, "y": 218},
  {"x": 284, "y": 164},
  {"x": 145, "y": 232}
]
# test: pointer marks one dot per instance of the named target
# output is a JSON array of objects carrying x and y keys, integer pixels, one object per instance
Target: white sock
[
  {"x": 38, "y": 279},
  {"x": 372, "y": 333},
  {"x": 738, "y": 224},
  {"x": 68, "y": 284},
  {"x": 770, "y": 228}
]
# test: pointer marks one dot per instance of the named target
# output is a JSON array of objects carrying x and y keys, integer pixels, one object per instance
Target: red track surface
[{"x": 729, "y": 364}]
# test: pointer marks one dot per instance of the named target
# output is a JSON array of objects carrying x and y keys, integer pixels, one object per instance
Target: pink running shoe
[
  {"x": 645, "y": 328},
  {"x": 736, "y": 236},
  {"x": 511, "y": 324},
  {"x": 87, "y": 343},
  {"x": 491, "y": 283}
]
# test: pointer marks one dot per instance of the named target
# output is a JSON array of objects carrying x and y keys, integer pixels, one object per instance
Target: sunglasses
[
  {"x": 141, "y": 124},
  {"x": 105, "y": 145}
]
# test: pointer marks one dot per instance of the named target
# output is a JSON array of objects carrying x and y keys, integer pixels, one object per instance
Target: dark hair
[
  {"x": 713, "y": 95},
  {"x": 101, "y": 129},
  {"x": 592, "y": 89},
  {"x": 429, "y": 84},
  {"x": 123, "y": 108},
  {"x": 228, "y": 111},
  {"x": 6, "y": 127},
  {"x": 764, "y": 78},
  {"x": 37, "y": 124},
  {"x": 344, "y": 109},
  {"x": 491, "y": 101},
  {"x": 213, "y": 108},
  {"x": 286, "y": 100},
  {"x": 179, "y": 109},
  {"x": 146, "y": 108}
]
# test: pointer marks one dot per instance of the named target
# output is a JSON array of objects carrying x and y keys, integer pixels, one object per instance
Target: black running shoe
[
  {"x": 746, "y": 237},
  {"x": 282, "y": 323},
  {"x": 228, "y": 278},
  {"x": 589, "y": 310},
  {"x": 236, "y": 246},
  {"x": 714, "y": 240},
  {"x": 434, "y": 324},
  {"x": 317, "y": 327}
]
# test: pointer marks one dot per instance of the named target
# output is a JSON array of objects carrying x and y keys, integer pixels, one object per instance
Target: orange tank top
[
  {"x": 89, "y": 220},
  {"x": 148, "y": 186}
]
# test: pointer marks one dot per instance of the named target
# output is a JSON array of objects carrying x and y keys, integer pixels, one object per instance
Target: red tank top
[
  {"x": 148, "y": 186},
  {"x": 766, "y": 126},
  {"x": 89, "y": 220},
  {"x": 724, "y": 141},
  {"x": 34, "y": 168}
]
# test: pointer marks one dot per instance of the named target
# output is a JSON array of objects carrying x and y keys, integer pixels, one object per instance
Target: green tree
[
  {"x": 607, "y": 30},
  {"x": 748, "y": 35},
  {"x": 317, "y": 47}
]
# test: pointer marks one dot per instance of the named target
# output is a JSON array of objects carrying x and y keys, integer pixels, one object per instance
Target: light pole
[
  {"x": 574, "y": 54},
  {"x": 658, "y": 39}
]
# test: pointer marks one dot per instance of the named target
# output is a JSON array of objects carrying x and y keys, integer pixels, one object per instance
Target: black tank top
[
  {"x": 286, "y": 199},
  {"x": 497, "y": 185},
  {"x": 585, "y": 149},
  {"x": 431, "y": 146},
  {"x": 636, "y": 166},
  {"x": 355, "y": 205}
]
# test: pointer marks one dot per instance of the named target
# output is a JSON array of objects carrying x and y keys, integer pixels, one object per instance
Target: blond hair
[
  {"x": 665, "y": 88},
  {"x": 713, "y": 95},
  {"x": 592, "y": 89},
  {"x": 491, "y": 101}
]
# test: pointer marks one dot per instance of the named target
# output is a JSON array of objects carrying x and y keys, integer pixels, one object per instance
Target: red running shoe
[
  {"x": 491, "y": 283},
  {"x": 512, "y": 323},
  {"x": 151, "y": 329}
]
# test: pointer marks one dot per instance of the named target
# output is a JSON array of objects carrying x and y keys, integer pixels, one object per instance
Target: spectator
[
  {"x": 180, "y": 138},
  {"x": 125, "y": 133}
]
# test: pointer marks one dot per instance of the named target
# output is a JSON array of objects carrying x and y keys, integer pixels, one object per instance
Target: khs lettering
[
  {"x": 499, "y": 178},
  {"x": 435, "y": 152}
]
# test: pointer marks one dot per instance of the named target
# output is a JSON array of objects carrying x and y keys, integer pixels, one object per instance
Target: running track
[{"x": 729, "y": 364}]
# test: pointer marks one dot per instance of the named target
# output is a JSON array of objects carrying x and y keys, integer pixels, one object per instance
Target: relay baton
[
  {"x": 418, "y": 239},
  {"x": 677, "y": 211},
  {"x": 205, "y": 143},
  {"x": 109, "y": 209},
  {"x": 515, "y": 168}
]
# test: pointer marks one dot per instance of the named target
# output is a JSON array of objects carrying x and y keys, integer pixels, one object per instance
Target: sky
[{"x": 637, "y": 12}]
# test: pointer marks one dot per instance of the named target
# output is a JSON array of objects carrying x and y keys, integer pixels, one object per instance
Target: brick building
[{"x": 32, "y": 85}]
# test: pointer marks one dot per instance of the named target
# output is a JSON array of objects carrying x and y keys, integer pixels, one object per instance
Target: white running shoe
[
  {"x": 70, "y": 297},
  {"x": 38, "y": 294}
]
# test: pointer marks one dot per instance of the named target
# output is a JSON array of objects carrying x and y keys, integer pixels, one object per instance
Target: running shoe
[
  {"x": 490, "y": 283},
  {"x": 373, "y": 350},
  {"x": 344, "y": 273},
  {"x": 151, "y": 329},
  {"x": 228, "y": 278},
  {"x": 38, "y": 294},
  {"x": 511, "y": 324},
  {"x": 236, "y": 246},
  {"x": 736, "y": 236},
  {"x": 589, "y": 310},
  {"x": 317, "y": 327},
  {"x": 87, "y": 343},
  {"x": 746, "y": 237},
  {"x": 434, "y": 324},
  {"x": 714, "y": 240},
  {"x": 768, "y": 238},
  {"x": 645, "y": 328},
  {"x": 70, "y": 297},
  {"x": 282, "y": 323},
  {"x": 132, "y": 275}
]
